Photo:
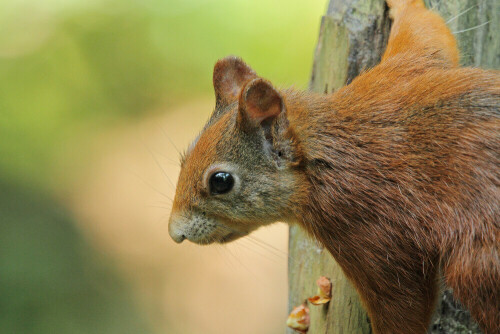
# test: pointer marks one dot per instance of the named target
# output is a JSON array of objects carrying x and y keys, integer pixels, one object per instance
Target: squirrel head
[{"x": 241, "y": 171}]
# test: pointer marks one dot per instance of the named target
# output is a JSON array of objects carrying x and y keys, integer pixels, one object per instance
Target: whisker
[
  {"x": 159, "y": 207},
  {"x": 248, "y": 247},
  {"x": 267, "y": 248},
  {"x": 460, "y": 14},
  {"x": 171, "y": 142},
  {"x": 271, "y": 248},
  {"x": 163, "y": 217},
  {"x": 469, "y": 29},
  {"x": 268, "y": 245},
  {"x": 277, "y": 255},
  {"x": 161, "y": 167},
  {"x": 240, "y": 262},
  {"x": 224, "y": 258},
  {"x": 170, "y": 160},
  {"x": 151, "y": 186},
  {"x": 167, "y": 203},
  {"x": 254, "y": 241}
]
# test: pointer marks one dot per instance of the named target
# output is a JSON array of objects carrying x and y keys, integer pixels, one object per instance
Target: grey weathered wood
[
  {"x": 479, "y": 47},
  {"x": 353, "y": 36}
]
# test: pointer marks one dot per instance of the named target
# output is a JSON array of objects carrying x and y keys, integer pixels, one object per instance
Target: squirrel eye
[{"x": 221, "y": 183}]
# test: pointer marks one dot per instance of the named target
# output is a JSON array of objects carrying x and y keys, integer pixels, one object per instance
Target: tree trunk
[{"x": 352, "y": 38}]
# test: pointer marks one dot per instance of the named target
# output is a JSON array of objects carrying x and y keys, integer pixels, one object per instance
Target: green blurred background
[{"x": 72, "y": 71}]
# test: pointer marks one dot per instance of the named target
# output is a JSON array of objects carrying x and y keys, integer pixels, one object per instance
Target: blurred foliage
[
  {"x": 69, "y": 71},
  {"x": 50, "y": 281}
]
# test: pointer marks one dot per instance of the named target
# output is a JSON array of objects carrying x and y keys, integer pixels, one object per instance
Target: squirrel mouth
[
  {"x": 221, "y": 240},
  {"x": 230, "y": 237}
]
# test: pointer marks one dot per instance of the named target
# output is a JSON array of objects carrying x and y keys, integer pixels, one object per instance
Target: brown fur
[{"x": 397, "y": 174}]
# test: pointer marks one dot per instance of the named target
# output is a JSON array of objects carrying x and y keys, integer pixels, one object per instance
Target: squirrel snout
[{"x": 176, "y": 232}]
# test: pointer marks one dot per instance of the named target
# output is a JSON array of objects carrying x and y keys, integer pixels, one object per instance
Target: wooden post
[{"x": 352, "y": 38}]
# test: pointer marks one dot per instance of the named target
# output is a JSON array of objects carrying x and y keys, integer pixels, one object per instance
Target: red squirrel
[{"x": 396, "y": 174}]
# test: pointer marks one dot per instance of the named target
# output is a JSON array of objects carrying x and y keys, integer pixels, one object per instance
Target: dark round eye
[{"x": 221, "y": 183}]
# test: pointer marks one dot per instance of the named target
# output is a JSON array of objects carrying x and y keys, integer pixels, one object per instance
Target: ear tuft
[
  {"x": 260, "y": 101},
  {"x": 230, "y": 75}
]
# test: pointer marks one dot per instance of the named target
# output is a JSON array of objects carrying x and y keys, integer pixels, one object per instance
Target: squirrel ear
[
  {"x": 260, "y": 102},
  {"x": 230, "y": 75},
  {"x": 261, "y": 107}
]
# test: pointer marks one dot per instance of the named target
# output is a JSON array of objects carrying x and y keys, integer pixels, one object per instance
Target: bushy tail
[
  {"x": 421, "y": 33},
  {"x": 396, "y": 4}
]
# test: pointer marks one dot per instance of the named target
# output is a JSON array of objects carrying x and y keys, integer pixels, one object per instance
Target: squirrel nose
[
  {"x": 177, "y": 237},
  {"x": 176, "y": 233}
]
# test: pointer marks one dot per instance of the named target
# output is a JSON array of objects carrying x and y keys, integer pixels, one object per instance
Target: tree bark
[{"x": 352, "y": 38}]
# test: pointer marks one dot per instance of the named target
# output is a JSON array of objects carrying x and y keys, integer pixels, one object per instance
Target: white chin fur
[{"x": 200, "y": 230}]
